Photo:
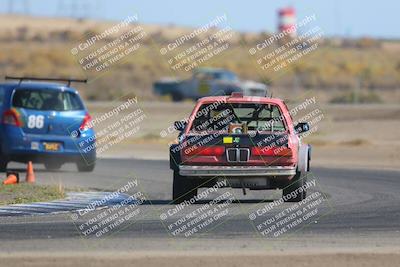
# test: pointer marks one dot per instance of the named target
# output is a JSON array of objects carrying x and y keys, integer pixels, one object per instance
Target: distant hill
[{"x": 42, "y": 47}]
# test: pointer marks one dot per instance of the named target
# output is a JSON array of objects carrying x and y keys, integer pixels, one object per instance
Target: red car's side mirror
[
  {"x": 180, "y": 125},
  {"x": 302, "y": 127}
]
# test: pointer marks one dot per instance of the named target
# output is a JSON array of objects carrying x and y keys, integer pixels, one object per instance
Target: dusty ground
[
  {"x": 359, "y": 136},
  {"x": 281, "y": 259},
  {"x": 348, "y": 136}
]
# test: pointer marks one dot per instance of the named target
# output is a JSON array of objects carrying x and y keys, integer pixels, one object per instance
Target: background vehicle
[
  {"x": 44, "y": 122},
  {"x": 251, "y": 142},
  {"x": 206, "y": 82}
]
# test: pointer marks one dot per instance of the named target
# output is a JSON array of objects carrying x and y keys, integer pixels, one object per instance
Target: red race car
[{"x": 247, "y": 142}]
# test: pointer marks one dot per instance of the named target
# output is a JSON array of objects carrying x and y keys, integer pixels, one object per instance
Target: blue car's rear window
[{"x": 47, "y": 100}]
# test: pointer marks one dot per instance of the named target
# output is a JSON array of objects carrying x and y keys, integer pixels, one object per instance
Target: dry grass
[
  {"x": 355, "y": 142},
  {"x": 27, "y": 193},
  {"x": 331, "y": 68}
]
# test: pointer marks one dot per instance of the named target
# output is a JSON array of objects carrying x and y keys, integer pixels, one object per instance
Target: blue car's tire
[
  {"x": 84, "y": 167},
  {"x": 3, "y": 165},
  {"x": 53, "y": 165},
  {"x": 177, "y": 96}
]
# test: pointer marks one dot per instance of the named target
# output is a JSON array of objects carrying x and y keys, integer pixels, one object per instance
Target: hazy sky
[{"x": 352, "y": 18}]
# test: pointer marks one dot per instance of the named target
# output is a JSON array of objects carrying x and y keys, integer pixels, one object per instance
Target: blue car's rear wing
[{"x": 68, "y": 80}]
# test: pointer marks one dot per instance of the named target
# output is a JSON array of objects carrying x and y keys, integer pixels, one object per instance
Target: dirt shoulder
[
  {"x": 348, "y": 136},
  {"x": 301, "y": 258}
]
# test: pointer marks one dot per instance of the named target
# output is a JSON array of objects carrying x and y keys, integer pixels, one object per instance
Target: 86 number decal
[{"x": 35, "y": 121}]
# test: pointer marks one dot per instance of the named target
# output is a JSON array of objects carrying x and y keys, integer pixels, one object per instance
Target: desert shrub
[{"x": 353, "y": 97}]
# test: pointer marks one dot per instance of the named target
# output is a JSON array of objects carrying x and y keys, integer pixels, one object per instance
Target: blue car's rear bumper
[{"x": 18, "y": 146}]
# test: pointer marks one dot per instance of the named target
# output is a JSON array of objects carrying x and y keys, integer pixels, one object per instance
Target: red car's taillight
[
  {"x": 85, "y": 123},
  {"x": 204, "y": 151},
  {"x": 11, "y": 117},
  {"x": 271, "y": 151}
]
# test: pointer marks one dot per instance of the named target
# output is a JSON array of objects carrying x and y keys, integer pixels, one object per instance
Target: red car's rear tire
[
  {"x": 182, "y": 189},
  {"x": 297, "y": 182}
]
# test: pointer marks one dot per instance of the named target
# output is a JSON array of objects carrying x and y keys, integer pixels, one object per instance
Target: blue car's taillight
[
  {"x": 11, "y": 117},
  {"x": 86, "y": 123}
]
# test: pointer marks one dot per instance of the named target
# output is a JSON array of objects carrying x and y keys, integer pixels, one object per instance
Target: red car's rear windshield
[
  {"x": 255, "y": 117},
  {"x": 47, "y": 100}
]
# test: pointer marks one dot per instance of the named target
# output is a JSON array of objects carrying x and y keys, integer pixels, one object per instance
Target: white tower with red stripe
[{"x": 287, "y": 20}]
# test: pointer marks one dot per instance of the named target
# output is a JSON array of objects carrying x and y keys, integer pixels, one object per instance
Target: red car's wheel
[
  {"x": 183, "y": 188},
  {"x": 291, "y": 193}
]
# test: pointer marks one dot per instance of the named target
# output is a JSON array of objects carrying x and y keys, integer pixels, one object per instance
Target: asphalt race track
[{"x": 360, "y": 208}]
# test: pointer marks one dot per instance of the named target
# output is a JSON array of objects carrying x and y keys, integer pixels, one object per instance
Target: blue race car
[{"x": 45, "y": 122}]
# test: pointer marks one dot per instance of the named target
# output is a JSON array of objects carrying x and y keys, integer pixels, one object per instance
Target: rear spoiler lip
[{"x": 24, "y": 78}]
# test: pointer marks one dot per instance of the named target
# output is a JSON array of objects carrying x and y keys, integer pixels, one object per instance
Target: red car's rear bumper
[{"x": 229, "y": 171}]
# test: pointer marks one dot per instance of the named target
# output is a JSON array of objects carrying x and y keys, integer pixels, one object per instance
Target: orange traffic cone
[
  {"x": 12, "y": 178},
  {"x": 30, "y": 175}
]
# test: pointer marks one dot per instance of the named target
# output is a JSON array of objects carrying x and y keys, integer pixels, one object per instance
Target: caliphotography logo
[{"x": 212, "y": 133}]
